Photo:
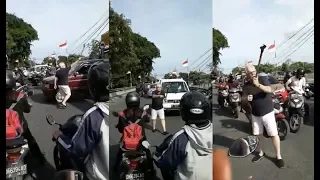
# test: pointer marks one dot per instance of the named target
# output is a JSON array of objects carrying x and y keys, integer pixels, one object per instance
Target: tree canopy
[
  {"x": 219, "y": 42},
  {"x": 19, "y": 38},
  {"x": 269, "y": 68},
  {"x": 128, "y": 51}
]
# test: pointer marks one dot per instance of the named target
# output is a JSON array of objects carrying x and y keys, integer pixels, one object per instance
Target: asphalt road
[{"x": 297, "y": 149}]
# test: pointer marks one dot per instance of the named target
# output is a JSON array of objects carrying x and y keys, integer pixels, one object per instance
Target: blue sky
[
  {"x": 250, "y": 23},
  {"x": 180, "y": 29},
  {"x": 57, "y": 21}
]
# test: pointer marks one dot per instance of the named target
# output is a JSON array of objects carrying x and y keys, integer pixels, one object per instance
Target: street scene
[
  {"x": 284, "y": 38},
  {"x": 163, "y": 58}
]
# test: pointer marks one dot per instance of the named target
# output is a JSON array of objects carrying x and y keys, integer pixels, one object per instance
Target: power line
[
  {"x": 85, "y": 41},
  {"x": 206, "y": 60},
  {"x": 301, "y": 44},
  {"x": 198, "y": 58},
  {"x": 102, "y": 17},
  {"x": 102, "y": 29},
  {"x": 284, "y": 52}
]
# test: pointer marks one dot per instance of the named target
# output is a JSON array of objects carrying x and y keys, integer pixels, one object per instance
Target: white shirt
[{"x": 297, "y": 83}]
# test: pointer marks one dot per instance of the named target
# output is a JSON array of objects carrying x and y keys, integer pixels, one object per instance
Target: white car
[
  {"x": 151, "y": 89},
  {"x": 174, "y": 90}
]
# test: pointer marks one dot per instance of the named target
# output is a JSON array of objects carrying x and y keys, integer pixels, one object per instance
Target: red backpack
[
  {"x": 132, "y": 135},
  {"x": 13, "y": 125}
]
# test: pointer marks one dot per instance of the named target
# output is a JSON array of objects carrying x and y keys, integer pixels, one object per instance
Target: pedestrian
[
  {"x": 259, "y": 93},
  {"x": 61, "y": 82},
  {"x": 157, "y": 109}
]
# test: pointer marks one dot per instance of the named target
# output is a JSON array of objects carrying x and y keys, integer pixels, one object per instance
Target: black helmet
[
  {"x": 98, "y": 81},
  {"x": 195, "y": 108},
  {"x": 300, "y": 72},
  {"x": 132, "y": 100},
  {"x": 10, "y": 80}
]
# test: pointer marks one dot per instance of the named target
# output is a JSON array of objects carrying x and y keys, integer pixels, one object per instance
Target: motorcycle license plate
[
  {"x": 174, "y": 106},
  {"x": 15, "y": 171},
  {"x": 135, "y": 176},
  {"x": 296, "y": 100}
]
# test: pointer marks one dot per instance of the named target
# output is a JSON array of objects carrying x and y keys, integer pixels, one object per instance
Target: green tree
[
  {"x": 94, "y": 47},
  {"x": 219, "y": 42},
  {"x": 128, "y": 51},
  {"x": 266, "y": 68},
  {"x": 19, "y": 37},
  {"x": 170, "y": 76},
  {"x": 183, "y": 75},
  {"x": 237, "y": 70}
]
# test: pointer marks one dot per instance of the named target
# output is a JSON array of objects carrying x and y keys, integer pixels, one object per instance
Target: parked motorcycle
[
  {"x": 62, "y": 159},
  {"x": 295, "y": 110},
  {"x": 17, "y": 150}
]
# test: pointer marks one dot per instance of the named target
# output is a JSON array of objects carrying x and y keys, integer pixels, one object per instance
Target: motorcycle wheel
[
  {"x": 295, "y": 123},
  {"x": 283, "y": 128}
]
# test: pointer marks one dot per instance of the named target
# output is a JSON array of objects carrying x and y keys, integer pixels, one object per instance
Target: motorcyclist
[
  {"x": 298, "y": 81},
  {"x": 131, "y": 114},
  {"x": 188, "y": 153},
  {"x": 232, "y": 82},
  {"x": 19, "y": 103},
  {"x": 222, "y": 86},
  {"x": 91, "y": 141},
  {"x": 287, "y": 76}
]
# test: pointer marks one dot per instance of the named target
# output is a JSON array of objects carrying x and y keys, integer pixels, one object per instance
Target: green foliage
[
  {"x": 94, "y": 49},
  {"x": 270, "y": 68},
  {"x": 68, "y": 60},
  {"x": 184, "y": 76},
  {"x": 197, "y": 77},
  {"x": 19, "y": 36},
  {"x": 219, "y": 42},
  {"x": 170, "y": 76},
  {"x": 128, "y": 51}
]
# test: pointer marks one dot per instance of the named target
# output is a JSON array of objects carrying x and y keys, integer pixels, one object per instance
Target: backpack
[
  {"x": 13, "y": 125},
  {"x": 132, "y": 135}
]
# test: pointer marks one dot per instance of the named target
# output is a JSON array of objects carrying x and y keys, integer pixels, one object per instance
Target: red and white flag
[
  {"x": 174, "y": 71},
  {"x": 185, "y": 63},
  {"x": 63, "y": 45},
  {"x": 272, "y": 48}
]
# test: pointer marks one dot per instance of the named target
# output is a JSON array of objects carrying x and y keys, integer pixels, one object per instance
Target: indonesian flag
[
  {"x": 272, "y": 48},
  {"x": 63, "y": 45},
  {"x": 185, "y": 63},
  {"x": 174, "y": 71}
]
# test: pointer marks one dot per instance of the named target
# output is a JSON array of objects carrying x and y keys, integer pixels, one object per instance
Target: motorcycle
[
  {"x": 234, "y": 101},
  {"x": 61, "y": 158},
  {"x": 25, "y": 89},
  {"x": 222, "y": 97},
  {"x": 282, "y": 123},
  {"x": 137, "y": 164},
  {"x": 309, "y": 90},
  {"x": 295, "y": 110},
  {"x": 17, "y": 150}
]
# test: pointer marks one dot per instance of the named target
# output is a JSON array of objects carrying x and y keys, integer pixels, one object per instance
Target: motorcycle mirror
[
  {"x": 243, "y": 147},
  {"x": 69, "y": 175},
  {"x": 146, "y": 144},
  {"x": 50, "y": 119}
]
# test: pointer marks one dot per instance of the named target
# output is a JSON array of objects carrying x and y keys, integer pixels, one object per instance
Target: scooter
[
  {"x": 222, "y": 97},
  {"x": 282, "y": 123},
  {"x": 296, "y": 109},
  {"x": 234, "y": 101}
]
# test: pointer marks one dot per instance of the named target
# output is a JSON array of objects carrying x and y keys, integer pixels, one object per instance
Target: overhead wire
[
  {"x": 299, "y": 45},
  {"x": 101, "y": 17},
  {"x": 86, "y": 40}
]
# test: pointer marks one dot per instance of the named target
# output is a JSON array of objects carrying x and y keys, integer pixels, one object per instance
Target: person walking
[
  {"x": 258, "y": 93},
  {"x": 61, "y": 82},
  {"x": 157, "y": 109}
]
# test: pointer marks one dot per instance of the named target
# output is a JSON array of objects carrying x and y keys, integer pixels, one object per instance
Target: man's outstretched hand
[{"x": 221, "y": 165}]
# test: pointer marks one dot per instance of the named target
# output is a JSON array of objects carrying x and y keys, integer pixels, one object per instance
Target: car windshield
[
  {"x": 73, "y": 67},
  {"x": 174, "y": 87}
]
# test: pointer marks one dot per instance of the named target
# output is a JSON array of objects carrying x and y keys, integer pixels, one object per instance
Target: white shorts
[
  {"x": 268, "y": 121},
  {"x": 155, "y": 113},
  {"x": 64, "y": 90}
]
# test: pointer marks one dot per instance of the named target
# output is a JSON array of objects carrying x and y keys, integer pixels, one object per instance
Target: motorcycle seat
[
  {"x": 133, "y": 154},
  {"x": 15, "y": 143}
]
